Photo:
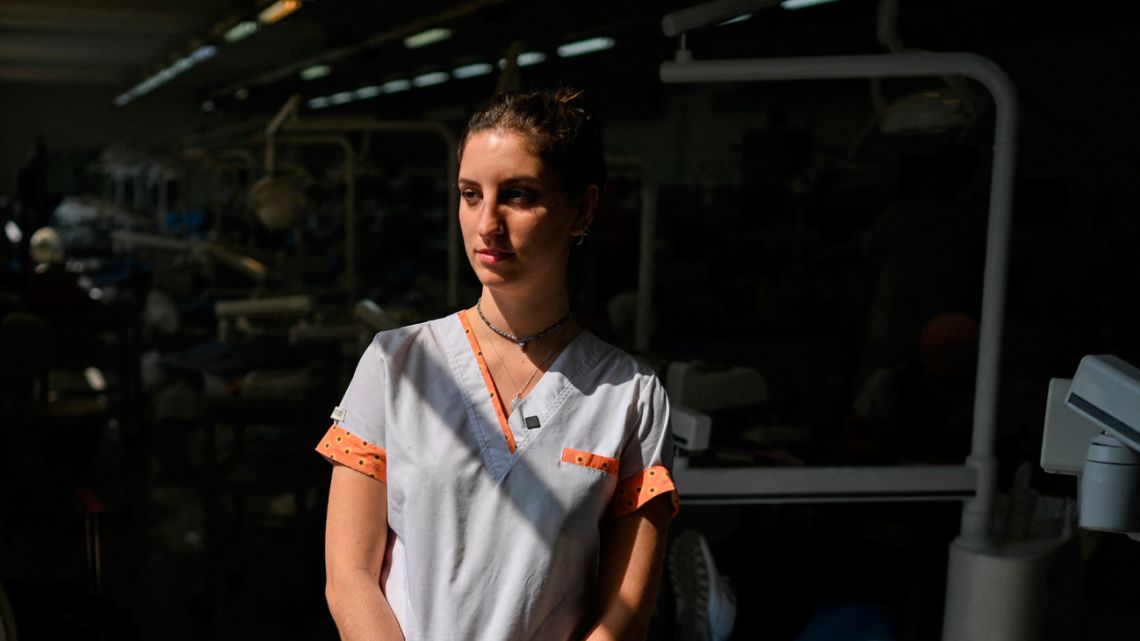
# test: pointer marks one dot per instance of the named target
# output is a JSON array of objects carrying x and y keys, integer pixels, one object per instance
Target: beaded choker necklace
[{"x": 522, "y": 340}]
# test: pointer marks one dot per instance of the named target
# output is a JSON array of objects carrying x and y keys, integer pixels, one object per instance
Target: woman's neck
[{"x": 525, "y": 316}]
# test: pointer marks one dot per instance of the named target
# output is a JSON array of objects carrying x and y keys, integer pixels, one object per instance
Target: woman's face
[{"x": 518, "y": 225}]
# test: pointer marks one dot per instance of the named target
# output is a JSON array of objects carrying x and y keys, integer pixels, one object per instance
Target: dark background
[{"x": 794, "y": 237}]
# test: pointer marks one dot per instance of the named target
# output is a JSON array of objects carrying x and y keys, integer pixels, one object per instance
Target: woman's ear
[{"x": 587, "y": 206}]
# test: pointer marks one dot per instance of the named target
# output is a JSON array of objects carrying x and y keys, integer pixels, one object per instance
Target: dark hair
[{"x": 564, "y": 134}]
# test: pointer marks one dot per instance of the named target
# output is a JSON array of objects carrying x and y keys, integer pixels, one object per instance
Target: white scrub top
[{"x": 494, "y": 526}]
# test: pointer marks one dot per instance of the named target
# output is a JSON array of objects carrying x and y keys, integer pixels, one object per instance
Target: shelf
[{"x": 748, "y": 485}]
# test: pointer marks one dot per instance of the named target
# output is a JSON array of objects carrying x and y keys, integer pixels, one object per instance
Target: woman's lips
[{"x": 491, "y": 256}]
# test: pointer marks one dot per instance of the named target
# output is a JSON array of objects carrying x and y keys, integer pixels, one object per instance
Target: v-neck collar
[
  {"x": 496, "y": 398},
  {"x": 487, "y": 404}
]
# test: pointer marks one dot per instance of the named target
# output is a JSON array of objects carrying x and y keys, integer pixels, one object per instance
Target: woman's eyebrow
[
  {"x": 524, "y": 178},
  {"x": 509, "y": 181}
]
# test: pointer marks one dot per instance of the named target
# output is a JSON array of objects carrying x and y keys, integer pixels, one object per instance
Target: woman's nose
[{"x": 490, "y": 220}]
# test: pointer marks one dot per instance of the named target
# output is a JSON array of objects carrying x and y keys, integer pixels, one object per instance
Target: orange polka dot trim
[
  {"x": 641, "y": 488},
  {"x": 496, "y": 399},
  {"x": 589, "y": 459},
  {"x": 341, "y": 446}
]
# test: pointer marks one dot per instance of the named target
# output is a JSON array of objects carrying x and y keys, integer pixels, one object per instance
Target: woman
[{"x": 509, "y": 493}]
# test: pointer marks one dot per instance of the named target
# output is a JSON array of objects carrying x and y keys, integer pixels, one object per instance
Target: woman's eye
[
  {"x": 518, "y": 195},
  {"x": 470, "y": 195}
]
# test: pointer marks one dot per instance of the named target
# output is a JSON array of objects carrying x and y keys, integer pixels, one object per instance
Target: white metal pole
[{"x": 977, "y": 516}]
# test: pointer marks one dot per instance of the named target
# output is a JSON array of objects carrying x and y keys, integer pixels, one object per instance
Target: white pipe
[
  {"x": 288, "y": 110},
  {"x": 977, "y": 516}
]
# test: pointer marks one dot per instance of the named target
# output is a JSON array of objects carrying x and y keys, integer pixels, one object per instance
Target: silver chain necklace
[
  {"x": 522, "y": 340},
  {"x": 517, "y": 401}
]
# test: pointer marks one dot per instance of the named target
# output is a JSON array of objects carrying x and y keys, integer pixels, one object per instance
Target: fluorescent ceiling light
[
  {"x": 204, "y": 52},
  {"x": 396, "y": 86},
  {"x": 364, "y": 93},
  {"x": 525, "y": 59},
  {"x": 735, "y": 20},
  {"x": 429, "y": 79},
  {"x": 12, "y": 230},
  {"x": 429, "y": 37},
  {"x": 585, "y": 46},
  {"x": 341, "y": 98},
  {"x": 318, "y": 103},
  {"x": 471, "y": 71},
  {"x": 241, "y": 31},
  {"x": 278, "y": 10},
  {"x": 316, "y": 71},
  {"x": 802, "y": 4}
]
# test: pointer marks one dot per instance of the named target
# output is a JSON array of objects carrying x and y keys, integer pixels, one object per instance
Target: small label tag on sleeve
[{"x": 338, "y": 413}]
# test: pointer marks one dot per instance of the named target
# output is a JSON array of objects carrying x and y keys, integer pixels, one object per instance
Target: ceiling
[
  {"x": 116, "y": 44},
  {"x": 119, "y": 43},
  {"x": 93, "y": 42}
]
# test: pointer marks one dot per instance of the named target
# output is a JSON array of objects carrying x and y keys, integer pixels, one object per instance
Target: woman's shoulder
[
  {"x": 390, "y": 342},
  {"x": 615, "y": 365}
]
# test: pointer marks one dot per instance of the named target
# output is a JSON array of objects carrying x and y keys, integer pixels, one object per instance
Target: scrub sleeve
[
  {"x": 356, "y": 438},
  {"x": 647, "y": 457}
]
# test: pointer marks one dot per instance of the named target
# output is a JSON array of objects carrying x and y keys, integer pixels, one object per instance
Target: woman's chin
[{"x": 498, "y": 284}]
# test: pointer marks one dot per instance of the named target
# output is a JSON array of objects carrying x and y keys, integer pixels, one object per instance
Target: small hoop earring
[{"x": 582, "y": 238}]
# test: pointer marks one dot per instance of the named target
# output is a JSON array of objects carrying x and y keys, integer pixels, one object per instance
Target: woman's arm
[
  {"x": 633, "y": 550},
  {"x": 356, "y": 535}
]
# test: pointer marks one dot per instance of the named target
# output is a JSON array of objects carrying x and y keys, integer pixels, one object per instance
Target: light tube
[
  {"x": 240, "y": 31},
  {"x": 429, "y": 79},
  {"x": 316, "y": 71},
  {"x": 529, "y": 58},
  {"x": 472, "y": 70},
  {"x": 582, "y": 47},
  {"x": 278, "y": 10},
  {"x": 205, "y": 52},
  {"x": 396, "y": 86},
  {"x": 735, "y": 20},
  {"x": 364, "y": 93},
  {"x": 429, "y": 37},
  {"x": 801, "y": 4}
]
